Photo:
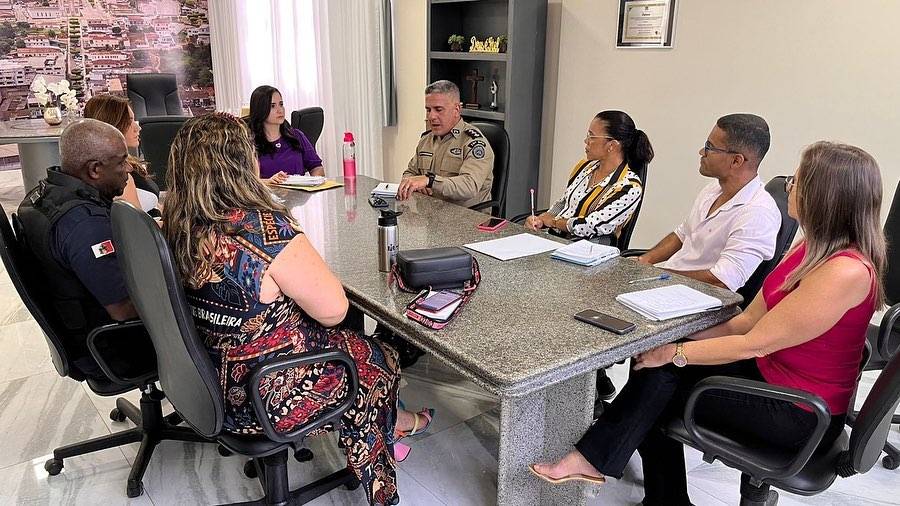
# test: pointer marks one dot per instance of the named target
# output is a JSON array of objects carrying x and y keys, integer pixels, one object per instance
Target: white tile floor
[{"x": 454, "y": 464}]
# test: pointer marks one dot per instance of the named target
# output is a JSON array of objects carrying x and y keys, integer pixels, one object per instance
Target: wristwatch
[
  {"x": 430, "y": 180},
  {"x": 679, "y": 359}
]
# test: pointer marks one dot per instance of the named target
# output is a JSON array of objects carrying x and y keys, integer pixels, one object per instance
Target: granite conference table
[
  {"x": 38, "y": 146},
  {"x": 516, "y": 337}
]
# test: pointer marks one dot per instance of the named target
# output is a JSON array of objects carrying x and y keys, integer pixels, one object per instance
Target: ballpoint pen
[
  {"x": 661, "y": 277},
  {"x": 532, "y": 202}
]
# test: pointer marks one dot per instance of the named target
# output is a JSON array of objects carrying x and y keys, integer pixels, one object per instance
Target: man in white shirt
[{"x": 734, "y": 222}]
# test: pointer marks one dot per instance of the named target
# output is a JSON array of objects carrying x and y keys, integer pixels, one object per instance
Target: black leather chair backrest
[
  {"x": 783, "y": 241},
  {"x": 892, "y": 235},
  {"x": 24, "y": 278},
  {"x": 157, "y": 134},
  {"x": 186, "y": 371},
  {"x": 310, "y": 121},
  {"x": 628, "y": 229},
  {"x": 153, "y": 95},
  {"x": 499, "y": 140},
  {"x": 870, "y": 430}
]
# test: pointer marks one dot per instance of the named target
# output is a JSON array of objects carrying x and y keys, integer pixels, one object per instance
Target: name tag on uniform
[{"x": 102, "y": 249}]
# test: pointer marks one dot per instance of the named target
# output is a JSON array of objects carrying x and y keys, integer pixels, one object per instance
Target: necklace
[{"x": 278, "y": 145}]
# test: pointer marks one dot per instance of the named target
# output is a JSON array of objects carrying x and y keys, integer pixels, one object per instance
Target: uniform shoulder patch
[
  {"x": 476, "y": 148},
  {"x": 473, "y": 133},
  {"x": 101, "y": 249}
]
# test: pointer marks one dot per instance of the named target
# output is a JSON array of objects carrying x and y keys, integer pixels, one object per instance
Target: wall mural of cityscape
[{"x": 94, "y": 43}]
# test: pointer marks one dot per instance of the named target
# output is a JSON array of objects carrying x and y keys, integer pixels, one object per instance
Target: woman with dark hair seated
[
  {"x": 259, "y": 290},
  {"x": 604, "y": 188},
  {"x": 140, "y": 190},
  {"x": 282, "y": 150},
  {"x": 806, "y": 329}
]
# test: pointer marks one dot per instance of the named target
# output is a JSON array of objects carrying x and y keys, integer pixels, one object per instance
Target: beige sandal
[{"x": 594, "y": 480}]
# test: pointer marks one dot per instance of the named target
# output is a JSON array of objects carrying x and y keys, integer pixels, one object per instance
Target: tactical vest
[{"x": 75, "y": 307}]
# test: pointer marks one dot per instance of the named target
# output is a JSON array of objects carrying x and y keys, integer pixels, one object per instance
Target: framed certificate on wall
[{"x": 646, "y": 23}]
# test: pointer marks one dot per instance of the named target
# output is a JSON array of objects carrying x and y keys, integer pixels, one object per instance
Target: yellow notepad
[{"x": 327, "y": 185}]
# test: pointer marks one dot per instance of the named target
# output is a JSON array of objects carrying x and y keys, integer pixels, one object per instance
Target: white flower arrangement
[{"x": 54, "y": 94}]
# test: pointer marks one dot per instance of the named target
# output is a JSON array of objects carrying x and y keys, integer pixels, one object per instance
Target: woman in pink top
[{"x": 804, "y": 330}]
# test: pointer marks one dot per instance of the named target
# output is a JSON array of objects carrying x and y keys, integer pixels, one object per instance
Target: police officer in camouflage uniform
[{"x": 453, "y": 160}]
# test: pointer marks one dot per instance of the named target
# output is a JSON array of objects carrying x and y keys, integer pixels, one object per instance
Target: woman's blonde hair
[
  {"x": 113, "y": 109},
  {"x": 212, "y": 169},
  {"x": 838, "y": 191}
]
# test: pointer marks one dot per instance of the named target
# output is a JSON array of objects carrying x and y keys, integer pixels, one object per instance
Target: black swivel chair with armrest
[
  {"x": 157, "y": 134},
  {"x": 310, "y": 121},
  {"x": 152, "y": 426},
  {"x": 499, "y": 140},
  {"x": 624, "y": 237},
  {"x": 189, "y": 377},
  {"x": 153, "y": 95},
  {"x": 814, "y": 467},
  {"x": 885, "y": 339}
]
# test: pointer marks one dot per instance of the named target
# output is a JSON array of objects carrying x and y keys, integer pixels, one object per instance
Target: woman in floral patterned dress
[{"x": 259, "y": 290}]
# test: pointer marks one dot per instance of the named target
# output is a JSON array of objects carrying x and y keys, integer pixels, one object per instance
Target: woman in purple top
[{"x": 282, "y": 150}]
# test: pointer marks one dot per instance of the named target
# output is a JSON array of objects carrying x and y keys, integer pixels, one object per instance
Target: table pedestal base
[
  {"x": 542, "y": 427},
  {"x": 35, "y": 158}
]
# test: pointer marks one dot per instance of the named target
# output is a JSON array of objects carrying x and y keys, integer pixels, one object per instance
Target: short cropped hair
[
  {"x": 443, "y": 86},
  {"x": 87, "y": 139},
  {"x": 747, "y": 134}
]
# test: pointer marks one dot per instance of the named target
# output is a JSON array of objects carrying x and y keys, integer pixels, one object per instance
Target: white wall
[
  {"x": 815, "y": 69},
  {"x": 409, "y": 42}
]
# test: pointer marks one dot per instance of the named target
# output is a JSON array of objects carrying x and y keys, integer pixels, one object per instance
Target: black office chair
[
  {"x": 783, "y": 240},
  {"x": 157, "y": 134},
  {"x": 153, "y": 95},
  {"x": 885, "y": 339},
  {"x": 310, "y": 121},
  {"x": 152, "y": 426},
  {"x": 624, "y": 236},
  {"x": 814, "y": 467},
  {"x": 499, "y": 140},
  {"x": 189, "y": 377}
]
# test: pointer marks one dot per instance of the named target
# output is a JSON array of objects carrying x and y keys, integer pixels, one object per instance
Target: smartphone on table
[
  {"x": 439, "y": 300},
  {"x": 604, "y": 321},
  {"x": 492, "y": 224}
]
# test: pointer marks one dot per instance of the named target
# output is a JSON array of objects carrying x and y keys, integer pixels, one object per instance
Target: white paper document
[
  {"x": 386, "y": 190},
  {"x": 514, "y": 246},
  {"x": 298, "y": 180},
  {"x": 585, "y": 253},
  {"x": 669, "y": 301}
]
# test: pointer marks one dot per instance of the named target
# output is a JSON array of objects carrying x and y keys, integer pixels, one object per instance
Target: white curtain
[{"x": 316, "y": 52}]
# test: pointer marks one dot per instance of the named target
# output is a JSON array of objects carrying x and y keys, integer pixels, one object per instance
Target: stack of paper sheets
[
  {"x": 585, "y": 253},
  {"x": 669, "y": 301},
  {"x": 298, "y": 180},
  {"x": 386, "y": 190}
]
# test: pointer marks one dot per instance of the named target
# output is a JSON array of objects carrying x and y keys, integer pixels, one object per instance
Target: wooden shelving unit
[{"x": 519, "y": 74}]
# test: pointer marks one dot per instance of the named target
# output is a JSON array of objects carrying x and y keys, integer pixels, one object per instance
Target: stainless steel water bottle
[{"x": 388, "y": 239}]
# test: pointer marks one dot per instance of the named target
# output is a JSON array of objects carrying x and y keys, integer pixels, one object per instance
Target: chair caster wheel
[
  {"x": 225, "y": 452},
  {"x": 117, "y": 416},
  {"x": 134, "y": 489},
  {"x": 250, "y": 469},
  {"x": 889, "y": 462},
  {"x": 53, "y": 466},
  {"x": 303, "y": 455},
  {"x": 352, "y": 484}
]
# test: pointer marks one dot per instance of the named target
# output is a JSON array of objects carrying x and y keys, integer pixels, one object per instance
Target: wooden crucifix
[{"x": 474, "y": 78}]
